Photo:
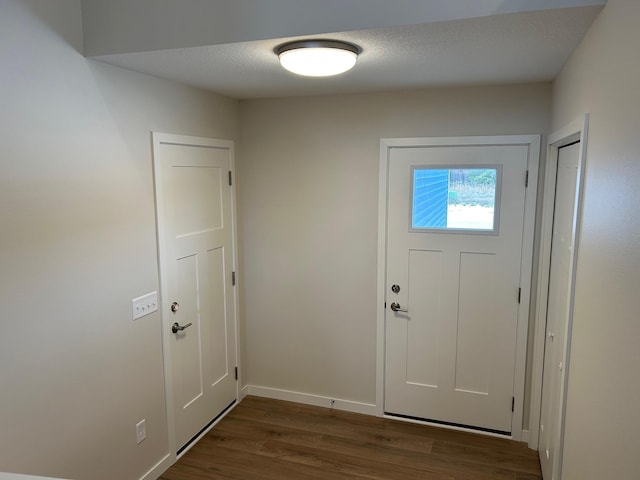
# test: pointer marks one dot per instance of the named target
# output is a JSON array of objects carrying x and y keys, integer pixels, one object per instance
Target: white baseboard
[
  {"x": 315, "y": 400},
  {"x": 158, "y": 469},
  {"x": 525, "y": 438},
  {"x": 244, "y": 391}
]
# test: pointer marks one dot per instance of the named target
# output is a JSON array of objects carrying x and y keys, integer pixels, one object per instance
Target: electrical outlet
[
  {"x": 141, "y": 430},
  {"x": 144, "y": 305}
]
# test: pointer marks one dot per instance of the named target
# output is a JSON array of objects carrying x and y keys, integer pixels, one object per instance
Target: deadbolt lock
[{"x": 395, "y": 288}]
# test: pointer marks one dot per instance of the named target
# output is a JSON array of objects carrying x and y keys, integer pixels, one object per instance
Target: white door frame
[
  {"x": 533, "y": 144},
  {"x": 576, "y": 130},
  {"x": 159, "y": 139}
]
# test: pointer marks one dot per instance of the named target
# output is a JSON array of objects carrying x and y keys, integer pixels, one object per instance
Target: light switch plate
[
  {"x": 144, "y": 305},
  {"x": 141, "y": 430}
]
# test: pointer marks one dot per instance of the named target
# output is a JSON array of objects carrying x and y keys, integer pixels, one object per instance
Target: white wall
[
  {"x": 603, "y": 415},
  {"x": 308, "y": 183},
  {"x": 77, "y": 243}
]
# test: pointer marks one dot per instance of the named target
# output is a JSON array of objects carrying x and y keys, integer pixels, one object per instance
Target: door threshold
[
  {"x": 448, "y": 425},
  {"x": 182, "y": 450}
]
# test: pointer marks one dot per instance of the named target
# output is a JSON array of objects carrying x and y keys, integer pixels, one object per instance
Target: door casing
[
  {"x": 576, "y": 130},
  {"x": 157, "y": 140},
  {"x": 533, "y": 144}
]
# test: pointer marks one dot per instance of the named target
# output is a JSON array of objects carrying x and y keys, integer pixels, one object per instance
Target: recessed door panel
[
  {"x": 189, "y": 354},
  {"x": 476, "y": 317},
  {"x": 422, "y": 330},
  {"x": 198, "y": 206},
  {"x": 218, "y": 335}
]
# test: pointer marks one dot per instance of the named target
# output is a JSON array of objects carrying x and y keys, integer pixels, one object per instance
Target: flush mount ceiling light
[{"x": 318, "y": 58}]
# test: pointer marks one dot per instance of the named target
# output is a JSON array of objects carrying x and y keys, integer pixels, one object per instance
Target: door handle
[
  {"x": 176, "y": 327},
  {"x": 396, "y": 308}
]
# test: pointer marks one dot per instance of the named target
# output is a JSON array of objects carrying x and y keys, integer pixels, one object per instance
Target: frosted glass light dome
[{"x": 318, "y": 58}]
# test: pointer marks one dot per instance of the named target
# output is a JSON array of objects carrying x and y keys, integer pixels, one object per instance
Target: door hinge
[
  {"x": 513, "y": 402},
  {"x": 519, "y": 294},
  {"x": 385, "y": 305},
  {"x": 230, "y": 179},
  {"x": 233, "y": 279},
  {"x": 526, "y": 179},
  {"x": 236, "y": 373}
]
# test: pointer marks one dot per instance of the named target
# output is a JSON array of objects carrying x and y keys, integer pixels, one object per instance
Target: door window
[{"x": 456, "y": 199}]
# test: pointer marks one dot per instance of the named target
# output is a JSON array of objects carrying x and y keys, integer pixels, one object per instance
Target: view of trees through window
[{"x": 472, "y": 187}]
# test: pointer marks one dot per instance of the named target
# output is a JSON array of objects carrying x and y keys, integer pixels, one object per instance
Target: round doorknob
[{"x": 175, "y": 306}]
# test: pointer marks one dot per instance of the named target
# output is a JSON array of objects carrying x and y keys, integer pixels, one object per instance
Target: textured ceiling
[{"x": 521, "y": 47}]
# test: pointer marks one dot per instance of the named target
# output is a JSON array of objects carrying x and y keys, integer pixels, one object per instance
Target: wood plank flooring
[{"x": 271, "y": 439}]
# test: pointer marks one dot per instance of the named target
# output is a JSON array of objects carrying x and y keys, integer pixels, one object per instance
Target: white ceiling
[{"x": 507, "y": 48}]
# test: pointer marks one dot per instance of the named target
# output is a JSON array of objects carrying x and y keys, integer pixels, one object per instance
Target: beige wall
[
  {"x": 78, "y": 239},
  {"x": 77, "y": 244},
  {"x": 308, "y": 190},
  {"x": 603, "y": 78}
]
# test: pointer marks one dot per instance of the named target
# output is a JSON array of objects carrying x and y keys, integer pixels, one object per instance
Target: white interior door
[
  {"x": 195, "y": 229},
  {"x": 560, "y": 276},
  {"x": 454, "y": 250}
]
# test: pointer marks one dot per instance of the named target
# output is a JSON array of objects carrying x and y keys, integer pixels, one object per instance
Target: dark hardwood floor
[{"x": 271, "y": 439}]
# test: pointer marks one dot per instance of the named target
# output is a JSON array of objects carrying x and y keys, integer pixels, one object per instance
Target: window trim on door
[{"x": 533, "y": 144}]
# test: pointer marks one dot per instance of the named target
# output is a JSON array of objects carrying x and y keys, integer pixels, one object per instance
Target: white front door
[
  {"x": 560, "y": 276},
  {"x": 195, "y": 232},
  {"x": 454, "y": 251}
]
